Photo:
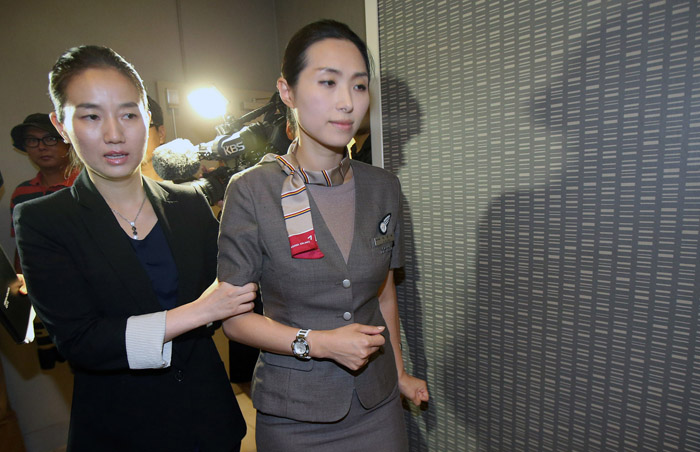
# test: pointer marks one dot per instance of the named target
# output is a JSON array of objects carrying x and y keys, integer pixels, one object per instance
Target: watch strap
[{"x": 302, "y": 333}]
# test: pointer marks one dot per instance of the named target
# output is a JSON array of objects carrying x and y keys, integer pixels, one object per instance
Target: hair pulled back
[
  {"x": 295, "y": 54},
  {"x": 78, "y": 59}
]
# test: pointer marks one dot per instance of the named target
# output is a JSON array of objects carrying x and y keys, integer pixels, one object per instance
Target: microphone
[{"x": 176, "y": 160}]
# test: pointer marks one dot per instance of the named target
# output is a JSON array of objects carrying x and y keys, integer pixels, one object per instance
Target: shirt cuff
[{"x": 144, "y": 341}]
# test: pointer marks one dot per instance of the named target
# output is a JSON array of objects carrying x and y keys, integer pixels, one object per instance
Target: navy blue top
[{"x": 157, "y": 259}]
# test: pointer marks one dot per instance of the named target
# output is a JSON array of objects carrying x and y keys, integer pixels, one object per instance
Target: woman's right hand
[
  {"x": 222, "y": 300},
  {"x": 350, "y": 345}
]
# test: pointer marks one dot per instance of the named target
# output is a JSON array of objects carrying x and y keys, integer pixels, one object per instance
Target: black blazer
[{"x": 85, "y": 280}]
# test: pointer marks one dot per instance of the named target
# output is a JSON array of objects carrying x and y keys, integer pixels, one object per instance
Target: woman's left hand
[
  {"x": 415, "y": 389},
  {"x": 23, "y": 287}
]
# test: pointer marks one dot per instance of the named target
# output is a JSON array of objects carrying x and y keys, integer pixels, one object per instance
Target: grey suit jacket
[
  {"x": 319, "y": 294},
  {"x": 85, "y": 281}
]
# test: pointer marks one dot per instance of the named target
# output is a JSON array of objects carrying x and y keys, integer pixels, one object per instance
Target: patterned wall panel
[{"x": 549, "y": 153}]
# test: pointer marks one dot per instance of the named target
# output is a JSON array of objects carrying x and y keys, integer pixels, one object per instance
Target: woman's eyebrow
[
  {"x": 87, "y": 105},
  {"x": 93, "y": 105},
  {"x": 339, "y": 72}
]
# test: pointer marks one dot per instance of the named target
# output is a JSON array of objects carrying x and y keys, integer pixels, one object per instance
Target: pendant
[{"x": 133, "y": 230}]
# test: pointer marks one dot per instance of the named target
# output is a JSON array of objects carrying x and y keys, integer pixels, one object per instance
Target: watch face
[{"x": 299, "y": 348}]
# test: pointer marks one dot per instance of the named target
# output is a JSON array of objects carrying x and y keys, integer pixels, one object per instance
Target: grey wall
[{"x": 548, "y": 152}]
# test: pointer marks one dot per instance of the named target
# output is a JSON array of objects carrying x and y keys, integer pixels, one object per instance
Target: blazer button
[
  {"x": 346, "y": 283},
  {"x": 347, "y": 316},
  {"x": 179, "y": 375}
]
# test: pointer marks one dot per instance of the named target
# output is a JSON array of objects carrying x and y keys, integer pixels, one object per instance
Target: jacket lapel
[
  {"x": 363, "y": 197},
  {"x": 109, "y": 239},
  {"x": 324, "y": 236}
]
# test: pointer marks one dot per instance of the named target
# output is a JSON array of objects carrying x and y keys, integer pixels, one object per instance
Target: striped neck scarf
[{"x": 295, "y": 199}]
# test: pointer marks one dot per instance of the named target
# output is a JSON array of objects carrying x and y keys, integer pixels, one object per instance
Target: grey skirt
[{"x": 380, "y": 429}]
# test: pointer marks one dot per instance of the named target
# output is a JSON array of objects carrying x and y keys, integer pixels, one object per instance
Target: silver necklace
[{"x": 132, "y": 223}]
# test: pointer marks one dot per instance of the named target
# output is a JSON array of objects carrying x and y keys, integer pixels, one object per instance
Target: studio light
[{"x": 208, "y": 102}]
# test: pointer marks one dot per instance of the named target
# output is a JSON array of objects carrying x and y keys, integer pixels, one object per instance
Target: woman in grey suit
[
  {"x": 321, "y": 234},
  {"x": 122, "y": 277}
]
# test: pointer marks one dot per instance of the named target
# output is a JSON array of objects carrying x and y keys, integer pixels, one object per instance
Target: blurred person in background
[
  {"x": 40, "y": 141},
  {"x": 156, "y": 137}
]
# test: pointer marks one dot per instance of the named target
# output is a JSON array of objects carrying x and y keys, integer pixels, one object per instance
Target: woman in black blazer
[{"x": 120, "y": 269}]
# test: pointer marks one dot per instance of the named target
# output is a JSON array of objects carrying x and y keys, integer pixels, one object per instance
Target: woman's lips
[
  {"x": 116, "y": 158},
  {"x": 343, "y": 125}
]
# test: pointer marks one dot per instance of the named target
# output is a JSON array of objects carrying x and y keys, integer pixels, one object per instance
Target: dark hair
[
  {"x": 156, "y": 112},
  {"x": 79, "y": 59},
  {"x": 295, "y": 54}
]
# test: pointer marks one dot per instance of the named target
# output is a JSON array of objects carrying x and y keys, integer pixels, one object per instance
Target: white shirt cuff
[
  {"x": 29, "y": 337},
  {"x": 144, "y": 341}
]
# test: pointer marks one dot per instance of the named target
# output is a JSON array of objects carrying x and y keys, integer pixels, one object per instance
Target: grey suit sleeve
[{"x": 240, "y": 253}]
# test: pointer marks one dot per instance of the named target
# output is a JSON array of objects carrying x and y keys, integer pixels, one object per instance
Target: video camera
[{"x": 237, "y": 146}]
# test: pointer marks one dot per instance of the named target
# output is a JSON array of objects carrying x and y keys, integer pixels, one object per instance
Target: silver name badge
[{"x": 379, "y": 241}]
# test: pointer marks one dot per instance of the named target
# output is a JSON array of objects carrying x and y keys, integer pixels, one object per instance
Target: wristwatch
[{"x": 300, "y": 346}]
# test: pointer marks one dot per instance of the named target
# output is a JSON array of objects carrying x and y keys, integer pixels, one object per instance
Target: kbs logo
[{"x": 234, "y": 148}]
